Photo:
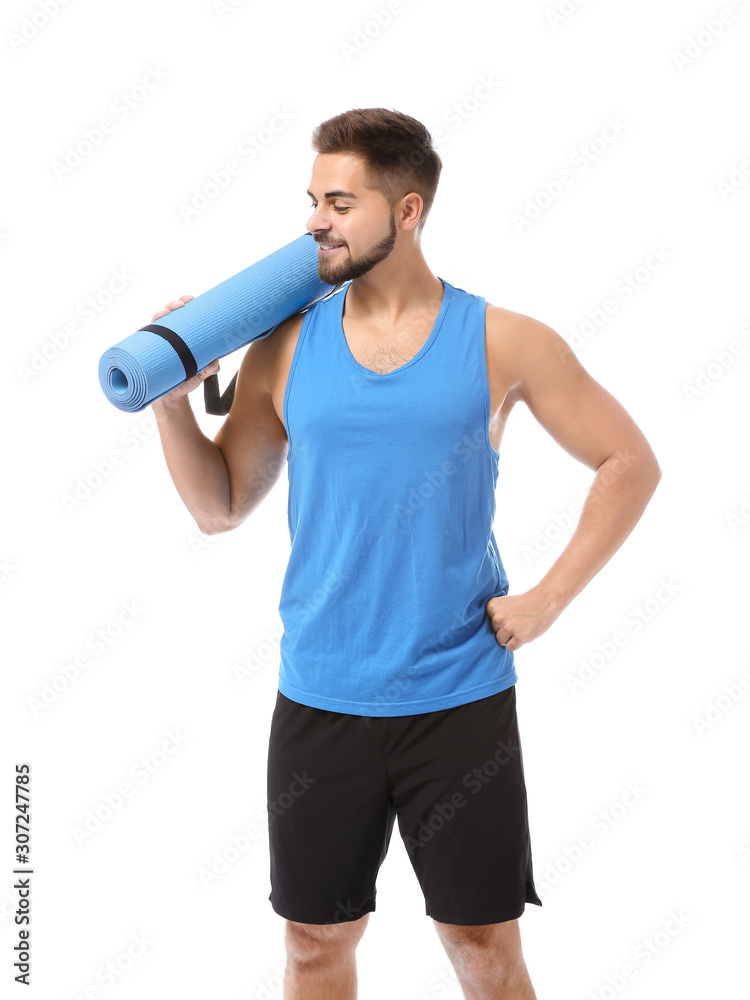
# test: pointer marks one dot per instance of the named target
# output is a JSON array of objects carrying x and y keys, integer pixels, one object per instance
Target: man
[{"x": 397, "y": 681}]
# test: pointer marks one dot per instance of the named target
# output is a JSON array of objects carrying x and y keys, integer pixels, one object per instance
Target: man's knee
[
  {"x": 472, "y": 944},
  {"x": 308, "y": 942}
]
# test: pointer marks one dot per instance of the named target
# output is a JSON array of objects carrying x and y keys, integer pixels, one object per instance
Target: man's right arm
[{"x": 222, "y": 481}]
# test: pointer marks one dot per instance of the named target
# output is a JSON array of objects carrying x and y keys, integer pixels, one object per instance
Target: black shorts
[{"x": 454, "y": 778}]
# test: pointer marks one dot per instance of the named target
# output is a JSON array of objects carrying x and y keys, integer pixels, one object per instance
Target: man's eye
[{"x": 337, "y": 208}]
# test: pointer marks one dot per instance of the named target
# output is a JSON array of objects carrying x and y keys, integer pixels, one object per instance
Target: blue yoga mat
[{"x": 246, "y": 307}]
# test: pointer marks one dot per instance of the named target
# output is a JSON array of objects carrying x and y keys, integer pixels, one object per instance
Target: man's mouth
[{"x": 327, "y": 248}]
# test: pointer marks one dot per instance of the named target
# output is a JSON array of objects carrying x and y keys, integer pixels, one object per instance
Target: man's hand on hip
[{"x": 517, "y": 619}]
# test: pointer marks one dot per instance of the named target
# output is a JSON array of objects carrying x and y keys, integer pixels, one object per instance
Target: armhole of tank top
[
  {"x": 482, "y": 347},
  {"x": 292, "y": 369}
]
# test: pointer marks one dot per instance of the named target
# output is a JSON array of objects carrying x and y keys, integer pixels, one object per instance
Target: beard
[{"x": 336, "y": 272}]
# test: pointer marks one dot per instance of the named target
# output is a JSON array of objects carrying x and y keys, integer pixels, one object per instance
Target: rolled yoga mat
[{"x": 246, "y": 307}]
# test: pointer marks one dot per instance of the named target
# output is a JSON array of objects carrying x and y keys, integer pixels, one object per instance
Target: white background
[{"x": 208, "y": 604}]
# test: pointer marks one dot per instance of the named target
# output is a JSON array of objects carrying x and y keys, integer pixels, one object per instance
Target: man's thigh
[
  {"x": 330, "y": 816},
  {"x": 458, "y": 784}
]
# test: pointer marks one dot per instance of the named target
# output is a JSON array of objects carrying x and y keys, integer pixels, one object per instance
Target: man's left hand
[{"x": 517, "y": 619}]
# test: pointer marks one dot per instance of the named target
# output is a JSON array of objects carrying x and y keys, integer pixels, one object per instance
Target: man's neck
[{"x": 388, "y": 294}]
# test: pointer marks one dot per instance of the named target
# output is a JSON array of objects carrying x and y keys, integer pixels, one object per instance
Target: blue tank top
[{"x": 391, "y": 507}]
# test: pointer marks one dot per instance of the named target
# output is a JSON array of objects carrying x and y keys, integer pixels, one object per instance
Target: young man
[{"x": 396, "y": 685}]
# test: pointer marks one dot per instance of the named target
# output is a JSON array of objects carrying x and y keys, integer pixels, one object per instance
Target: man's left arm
[{"x": 593, "y": 427}]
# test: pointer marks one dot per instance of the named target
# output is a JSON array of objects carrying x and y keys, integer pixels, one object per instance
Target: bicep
[
  {"x": 252, "y": 439},
  {"x": 576, "y": 410}
]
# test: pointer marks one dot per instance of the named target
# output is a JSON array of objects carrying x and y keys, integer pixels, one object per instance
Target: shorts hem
[
  {"x": 302, "y": 915},
  {"x": 496, "y": 917}
]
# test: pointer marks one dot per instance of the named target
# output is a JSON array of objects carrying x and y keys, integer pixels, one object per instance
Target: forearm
[
  {"x": 616, "y": 499},
  {"x": 196, "y": 464}
]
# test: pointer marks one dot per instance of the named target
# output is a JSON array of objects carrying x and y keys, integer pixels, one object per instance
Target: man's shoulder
[
  {"x": 506, "y": 322},
  {"x": 516, "y": 341},
  {"x": 520, "y": 329},
  {"x": 507, "y": 330},
  {"x": 280, "y": 343}
]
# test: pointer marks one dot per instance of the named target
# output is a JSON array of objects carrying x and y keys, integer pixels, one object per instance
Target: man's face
[{"x": 354, "y": 219}]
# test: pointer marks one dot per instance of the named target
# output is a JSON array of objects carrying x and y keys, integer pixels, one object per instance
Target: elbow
[
  {"x": 215, "y": 527},
  {"x": 651, "y": 477},
  {"x": 655, "y": 470},
  {"x": 640, "y": 465},
  {"x": 208, "y": 529},
  {"x": 213, "y": 523},
  {"x": 650, "y": 472},
  {"x": 644, "y": 464}
]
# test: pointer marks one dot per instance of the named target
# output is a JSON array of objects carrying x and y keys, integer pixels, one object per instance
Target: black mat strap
[
  {"x": 176, "y": 341},
  {"x": 216, "y": 403}
]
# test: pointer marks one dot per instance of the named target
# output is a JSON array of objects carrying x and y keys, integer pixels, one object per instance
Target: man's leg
[
  {"x": 321, "y": 963},
  {"x": 459, "y": 789},
  {"x": 488, "y": 960},
  {"x": 330, "y": 819}
]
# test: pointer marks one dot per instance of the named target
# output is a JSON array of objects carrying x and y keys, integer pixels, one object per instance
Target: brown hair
[{"x": 397, "y": 151}]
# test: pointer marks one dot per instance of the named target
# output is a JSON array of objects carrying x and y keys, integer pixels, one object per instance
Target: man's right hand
[{"x": 192, "y": 383}]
